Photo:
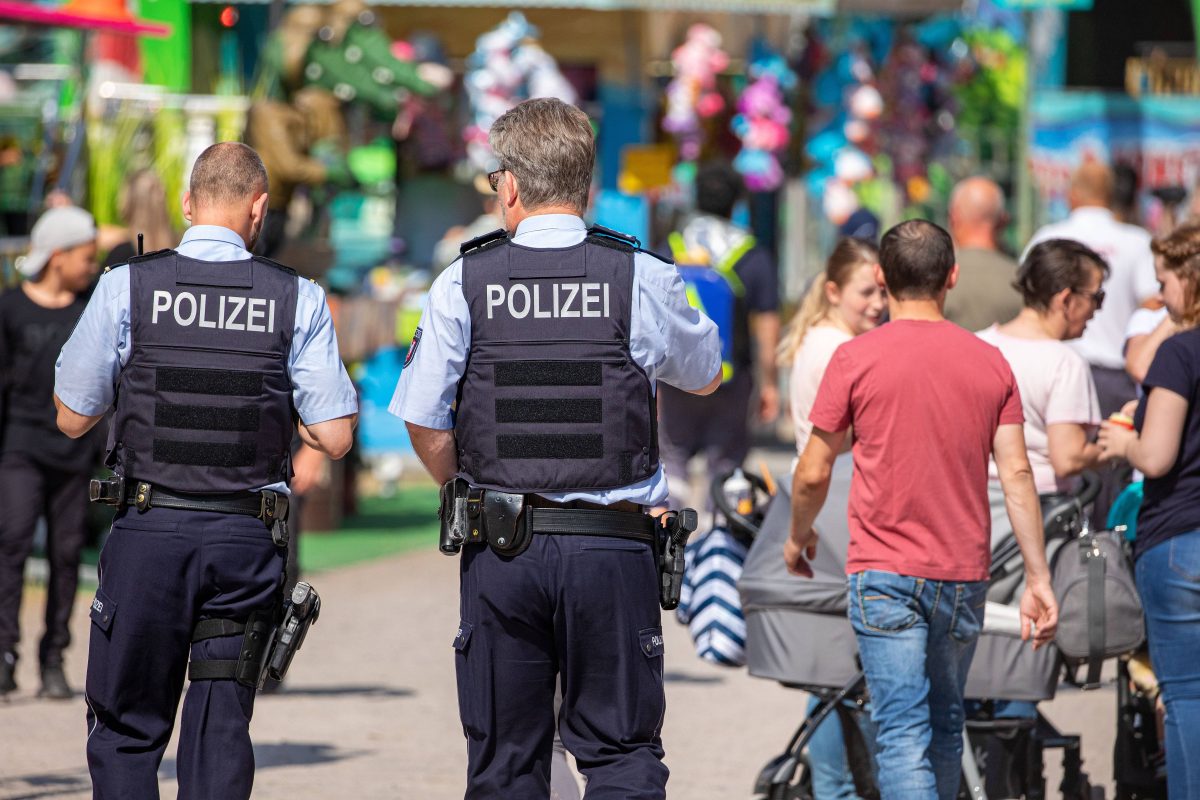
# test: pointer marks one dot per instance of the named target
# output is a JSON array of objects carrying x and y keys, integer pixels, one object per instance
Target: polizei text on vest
[
  {"x": 546, "y": 301},
  {"x": 223, "y": 312}
]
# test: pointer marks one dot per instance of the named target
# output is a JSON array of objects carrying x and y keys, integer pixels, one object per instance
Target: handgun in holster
[
  {"x": 109, "y": 491},
  {"x": 300, "y": 611},
  {"x": 670, "y": 541}
]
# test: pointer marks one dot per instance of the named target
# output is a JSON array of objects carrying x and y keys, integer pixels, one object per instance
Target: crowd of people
[
  {"x": 1095, "y": 322},
  {"x": 964, "y": 384}
]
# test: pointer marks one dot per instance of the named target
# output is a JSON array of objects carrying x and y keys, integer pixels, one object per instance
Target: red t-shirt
[{"x": 925, "y": 400}]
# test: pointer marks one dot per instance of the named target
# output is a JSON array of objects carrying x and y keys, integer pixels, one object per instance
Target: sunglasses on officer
[{"x": 494, "y": 179}]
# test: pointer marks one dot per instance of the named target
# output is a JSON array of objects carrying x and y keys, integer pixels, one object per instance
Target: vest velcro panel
[
  {"x": 551, "y": 399},
  {"x": 204, "y": 403}
]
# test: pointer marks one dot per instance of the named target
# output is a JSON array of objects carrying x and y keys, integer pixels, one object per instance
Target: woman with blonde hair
[
  {"x": 1165, "y": 445},
  {"x": 843, "y": 301},
  {"x": 143, "y": 204}
]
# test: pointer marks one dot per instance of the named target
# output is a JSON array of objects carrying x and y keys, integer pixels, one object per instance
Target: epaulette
[
  {"x": 276, "y": 264},
  {"x": 479, "y": 241},
  {"x": 601, "y": 233},
  {"x": 148, "y": 256}
]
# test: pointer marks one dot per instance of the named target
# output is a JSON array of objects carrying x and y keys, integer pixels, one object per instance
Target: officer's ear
[
  {"x": 187, "y": 205},
  {"x": 258, "y": 210},
  {"x": 510, "y": 188}
]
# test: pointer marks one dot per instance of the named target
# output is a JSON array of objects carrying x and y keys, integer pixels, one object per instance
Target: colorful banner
[{"x": 1158, "y": 136}]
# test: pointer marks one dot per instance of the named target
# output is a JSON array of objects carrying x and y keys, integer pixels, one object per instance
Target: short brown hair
[
  {"x": 549, "y": 146},
  {"x": 1054, "y": 265},
  {"x": 917, "y": 257},
  {"x": 227, "y": 172},
  {"x": 1180, "y": 252}
]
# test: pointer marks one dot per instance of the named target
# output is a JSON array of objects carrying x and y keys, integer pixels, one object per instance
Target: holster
[
  {"x": 469, "y": 514},
  {"x": 508, "y": 531},
  {"x": 670, "y": 541},
  {"x": 452, "y": 512},
  {"x": 300, "y": 612}
]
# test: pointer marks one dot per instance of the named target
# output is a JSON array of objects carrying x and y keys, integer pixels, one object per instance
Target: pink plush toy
[
  {"x": 762, "y": 125},
  {"x": 692, "y": 94}
]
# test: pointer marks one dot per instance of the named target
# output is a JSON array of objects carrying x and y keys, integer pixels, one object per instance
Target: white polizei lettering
[
  {"x": 162, "y": 302},
  {"x": 512, "y": 293},
  {"x": 495, "y": 297},
  {"x": 271, "y": 317},
  {"x": 221, "y": 314},
  {"x": 256, "y": 309},
  {"x": 205, "y": 323},
  {"x": 606, "y": 314},
  {"x": 591, "y": 294},
  {"x": 565, "y": 311},
  {"x": 237, "y": 303},
  {"x": 538, "y": 312},
  {"x": 191, "y": 317}
]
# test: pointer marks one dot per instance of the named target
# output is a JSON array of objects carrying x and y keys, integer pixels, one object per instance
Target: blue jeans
[
  {"x": 828, "y": 762},
  {"x": 916, "y": 638},
  {"x": 1168, "y": 579}
]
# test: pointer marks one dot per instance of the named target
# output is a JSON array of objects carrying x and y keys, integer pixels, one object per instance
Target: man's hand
[
  {"x": 1039, "y": 613},
  {"x": 311, "y": 470},
  {"x": 768, "y": 403},
  {"x": 798, "y": 551}
]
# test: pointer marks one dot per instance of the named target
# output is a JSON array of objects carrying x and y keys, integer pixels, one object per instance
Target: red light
[{"x": 229, "y": 17}]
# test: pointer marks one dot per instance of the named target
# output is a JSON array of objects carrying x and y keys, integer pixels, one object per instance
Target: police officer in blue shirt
[
  {"x": 208, "y": 357},
  {"x": 529, "y": 391}
]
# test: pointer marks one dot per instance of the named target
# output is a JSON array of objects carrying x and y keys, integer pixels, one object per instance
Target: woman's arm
[
  {"x": 1070, "y": 451},
  {"x": 1140, "y": 350},
  {"x": 1155, "y": 450}
]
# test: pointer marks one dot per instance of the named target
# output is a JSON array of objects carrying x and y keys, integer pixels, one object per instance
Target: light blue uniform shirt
[
  {"x": 85, "y": 375},
  {"x": 668, "y": 339}
]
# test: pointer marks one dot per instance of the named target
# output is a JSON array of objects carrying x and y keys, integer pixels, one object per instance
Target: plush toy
[
  {"x": 508, "y": 66},
  {"x": 762, "y": 123},
  {"x": 692, "y": 94}
]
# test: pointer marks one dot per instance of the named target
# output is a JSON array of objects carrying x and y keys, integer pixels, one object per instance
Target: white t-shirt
[
  {"x": 1056, "y": 387},
  {"x": 1131, "y": 279},
  {"x": 807, "y": 370},
  {"x": 1144, "y": 322}
]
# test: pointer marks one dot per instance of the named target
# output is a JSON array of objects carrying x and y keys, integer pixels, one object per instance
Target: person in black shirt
[{"x": 42, "y": 472}]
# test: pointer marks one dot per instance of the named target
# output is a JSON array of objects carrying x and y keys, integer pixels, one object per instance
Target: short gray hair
[
  {"x": 227, "y": 172},
  {"x": 550, "y": 147}
]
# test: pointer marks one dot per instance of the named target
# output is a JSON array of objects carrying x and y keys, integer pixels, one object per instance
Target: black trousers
[
  {"x": 28, "y": 491},
  {"x": 160, "y": 572}
]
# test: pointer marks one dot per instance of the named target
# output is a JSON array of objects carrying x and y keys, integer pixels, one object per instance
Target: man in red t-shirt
[{"x": 928, "y": 403}]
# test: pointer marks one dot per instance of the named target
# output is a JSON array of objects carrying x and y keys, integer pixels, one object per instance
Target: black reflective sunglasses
[
  {"x": 1095, "y": 297},
  {"x": 494, "y": 179}
]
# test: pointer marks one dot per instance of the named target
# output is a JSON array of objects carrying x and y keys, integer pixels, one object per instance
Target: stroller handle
[
  {"x": 1090, "y": 489},
  {"x": 721, "y": 503}
]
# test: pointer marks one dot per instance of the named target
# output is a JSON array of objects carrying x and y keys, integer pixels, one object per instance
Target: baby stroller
[{"x": 785, "y": 615}]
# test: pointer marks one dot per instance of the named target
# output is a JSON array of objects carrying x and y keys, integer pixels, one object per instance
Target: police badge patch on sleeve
[{"x": 412, "y": 348}]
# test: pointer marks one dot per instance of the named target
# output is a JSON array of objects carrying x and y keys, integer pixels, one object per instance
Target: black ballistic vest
[
  {"x": 551, "y": 399},
  {"x": 204, "y": 403}
]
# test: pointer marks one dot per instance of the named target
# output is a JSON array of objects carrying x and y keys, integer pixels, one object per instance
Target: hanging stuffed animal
[
  {"x": 692, "y": 94},
  {"x": 508, "y": 66},
  {"x": 762, "y": 123}
]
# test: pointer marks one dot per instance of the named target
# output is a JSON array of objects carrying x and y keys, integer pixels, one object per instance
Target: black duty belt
[
  {"x": 267, "y": 505},
  {"x": 589, "y": 522}
]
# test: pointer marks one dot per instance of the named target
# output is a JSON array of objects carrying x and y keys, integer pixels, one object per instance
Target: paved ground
[{"x": 370, "y": 709}]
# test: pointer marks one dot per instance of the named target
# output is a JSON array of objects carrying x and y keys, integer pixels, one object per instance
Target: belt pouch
[{"x": 508, "y": 530}]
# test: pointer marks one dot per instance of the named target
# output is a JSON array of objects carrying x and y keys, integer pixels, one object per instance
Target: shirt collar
[
  {"x": 1093, "y": 211},
  {"x": 212, "y": 233},
  {"x": 550, "y": 222}
]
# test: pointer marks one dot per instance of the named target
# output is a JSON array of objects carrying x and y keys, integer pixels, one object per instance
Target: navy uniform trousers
[
  {"x": 584, "y": 608},
  {"x": 160, "y": 572}
]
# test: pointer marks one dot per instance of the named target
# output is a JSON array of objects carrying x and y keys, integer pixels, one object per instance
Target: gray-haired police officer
[
  {"x": 209, "y": 354},
  {"x": 550, "y": 339}
]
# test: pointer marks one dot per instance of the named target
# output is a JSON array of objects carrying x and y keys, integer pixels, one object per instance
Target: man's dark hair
[
  {"x": 227, "y": 173},
  {"x": 917, "y": 257},
  {"x": 1054, "y": 265},
  {"x": 718, "y": 188}
]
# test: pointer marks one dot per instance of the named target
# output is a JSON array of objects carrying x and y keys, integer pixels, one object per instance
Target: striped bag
[{"x": 709, "y": 603}]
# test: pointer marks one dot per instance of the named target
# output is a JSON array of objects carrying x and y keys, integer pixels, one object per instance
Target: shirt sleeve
[
  {"x": 1145, "y": 281},
  {"x": 321, "y": 389},
  {"x": 1073, "y": 395},
  {"x": 437, "y": 358},
  {"x": 1011, "y": 412},
  {"x": 1143, "y": 322},
  {"x": 832, "y": 409},
  {"x": 672, "y": 341},
  {"x": 1171, "y": 369},
  {"x": 85, "y": 374},
  {"x": 760, "y": 276}
]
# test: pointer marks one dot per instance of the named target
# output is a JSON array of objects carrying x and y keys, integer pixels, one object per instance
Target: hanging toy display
[
  {"x": 508, "y": 66},
  {"x": 763, "y": 122},
  {"x": 692, "y": 94}
]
